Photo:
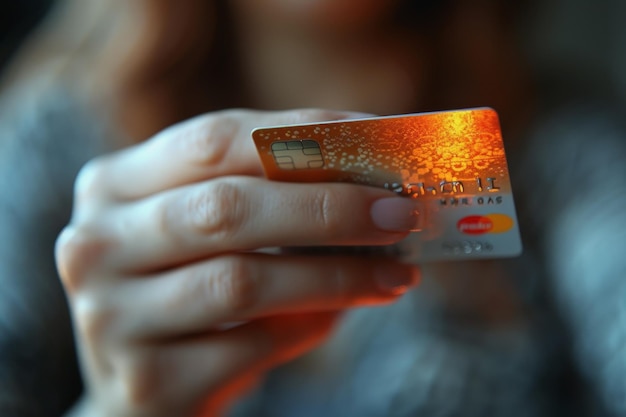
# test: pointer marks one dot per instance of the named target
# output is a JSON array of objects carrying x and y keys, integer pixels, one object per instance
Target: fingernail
[
  {"x": 397, "y": 279},
  {"x": 397, "y": 214}
]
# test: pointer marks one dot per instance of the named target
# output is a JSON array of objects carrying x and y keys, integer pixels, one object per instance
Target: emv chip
[{"x": 297, "y": 154}]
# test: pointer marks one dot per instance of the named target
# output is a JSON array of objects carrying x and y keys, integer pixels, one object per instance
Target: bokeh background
[
  {"x": 17, "y": 21},
  {"x": 579, "y": 40},
  {"x": 577, "y": 50}
]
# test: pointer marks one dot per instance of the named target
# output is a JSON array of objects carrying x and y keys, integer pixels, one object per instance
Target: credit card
[{"x": 452, "y": 161}]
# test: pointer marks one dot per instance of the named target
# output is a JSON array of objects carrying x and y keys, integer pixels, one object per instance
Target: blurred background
[
  {"x": 17, "y": 20},
  {"x": 576, "y": 50},
  {"x": 582, "y": 40}
]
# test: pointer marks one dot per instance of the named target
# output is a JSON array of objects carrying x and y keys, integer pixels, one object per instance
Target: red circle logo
[{"x": 474, "y": 225}]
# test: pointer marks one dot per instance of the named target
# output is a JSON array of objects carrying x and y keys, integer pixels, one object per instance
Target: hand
[{"x": 158, "y": 264}]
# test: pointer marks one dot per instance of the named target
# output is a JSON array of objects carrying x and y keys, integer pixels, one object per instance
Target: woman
[{"x": 155, "y": 259}]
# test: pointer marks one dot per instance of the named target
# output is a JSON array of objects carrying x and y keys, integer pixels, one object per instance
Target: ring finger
[{"x": 200, "y": 297}]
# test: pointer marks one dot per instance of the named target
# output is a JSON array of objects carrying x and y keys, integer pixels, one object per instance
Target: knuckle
[
  {"x": 327, "y": 214},
  {"x": 90, "y": 178},
  {"x": 209, "y": 138},
  {"x": 77, "y": 252},
  {"x": 219, "y": 210},
  {"x": 94, "y": 318},
  {"x": 234, "y": 285}
]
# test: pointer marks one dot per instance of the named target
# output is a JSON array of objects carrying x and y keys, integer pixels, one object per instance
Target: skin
[
  {"x": 182, "y": 322},
  {"x": 175, "y": 310}
]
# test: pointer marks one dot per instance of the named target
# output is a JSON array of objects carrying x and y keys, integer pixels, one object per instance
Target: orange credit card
[{"x": 454, "y": 161}]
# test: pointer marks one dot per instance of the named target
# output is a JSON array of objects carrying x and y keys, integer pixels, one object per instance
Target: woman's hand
[{"x": 158, "y": 266}]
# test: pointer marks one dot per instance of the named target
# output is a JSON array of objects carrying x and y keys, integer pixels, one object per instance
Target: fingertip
[{"x": 396, "y": 279}]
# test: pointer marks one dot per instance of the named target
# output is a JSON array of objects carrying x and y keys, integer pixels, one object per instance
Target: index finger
[{"x": 202, "y": 148}]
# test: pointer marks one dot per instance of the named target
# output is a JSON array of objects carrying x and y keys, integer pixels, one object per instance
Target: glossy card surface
[{"x": 453, "y": 162}]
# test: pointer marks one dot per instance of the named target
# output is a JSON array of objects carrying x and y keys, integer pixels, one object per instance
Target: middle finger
[{"x": 244, "y": 213}]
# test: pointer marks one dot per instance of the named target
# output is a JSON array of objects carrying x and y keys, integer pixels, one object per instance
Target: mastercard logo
[{"x": 489, "y": 223}]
